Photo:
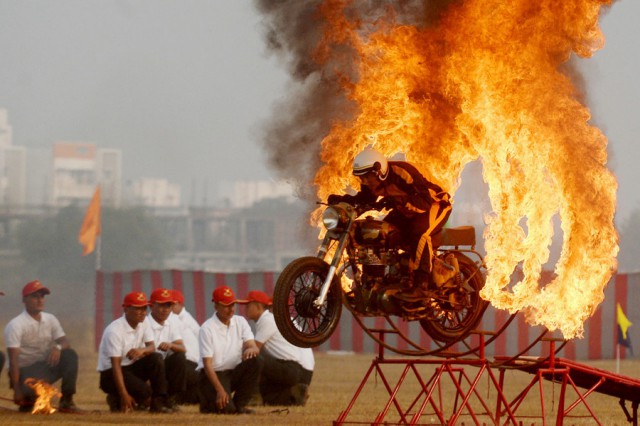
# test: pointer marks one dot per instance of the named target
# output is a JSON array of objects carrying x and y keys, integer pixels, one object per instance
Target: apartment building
[{"x": 78, "y": 167}]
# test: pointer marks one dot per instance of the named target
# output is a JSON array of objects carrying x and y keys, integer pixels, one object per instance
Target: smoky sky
[
  {"x": 202, "y": 92},
  {"x": 178, "y": 86}
]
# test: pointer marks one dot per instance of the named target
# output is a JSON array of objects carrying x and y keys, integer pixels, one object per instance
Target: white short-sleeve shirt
[
  {"x": 223, "y": 343},
  {"x": 274, "y": 343},
  {"x": 118, "y": 339},
  {"x": 34, "y": 338},
  {"x": 307, "y": 360},
  {"x": 190, "y": 331},
  {"x": 168, "y": 332}
]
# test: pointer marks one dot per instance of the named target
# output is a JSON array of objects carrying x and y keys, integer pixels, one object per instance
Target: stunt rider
[{"x": 419, "y": 208}]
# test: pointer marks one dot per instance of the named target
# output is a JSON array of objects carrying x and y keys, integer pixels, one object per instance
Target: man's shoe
[
  {"x": 26, "y": 407},
  {"x": 256, "y": 400},
  {"x": 300, "y": 393},
  {"x": 246, "y": 410},
  {"x": 172, "y": 403},
  {"x": 159, "y": 405},
  {"x": 67, "y": 405},
  {"x": 113, "y": 401}
]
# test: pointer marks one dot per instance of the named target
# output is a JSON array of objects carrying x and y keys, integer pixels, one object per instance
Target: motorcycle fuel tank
[{"x": 370, "y": 231}]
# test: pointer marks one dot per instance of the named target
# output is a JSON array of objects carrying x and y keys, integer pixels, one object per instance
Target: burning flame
[
  {"x": 488, "y": 81},
  {"x": 45, "y": 392}
]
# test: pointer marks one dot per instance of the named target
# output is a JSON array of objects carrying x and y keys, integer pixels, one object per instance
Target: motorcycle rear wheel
[
  {"x": 454, "y": 325},
  {"x": 298, "y": 319}
]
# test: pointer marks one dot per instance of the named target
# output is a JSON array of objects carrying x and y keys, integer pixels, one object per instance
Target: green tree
[
  {"x": 49, "y": 247},
  {"x": 130, "y": 239}
]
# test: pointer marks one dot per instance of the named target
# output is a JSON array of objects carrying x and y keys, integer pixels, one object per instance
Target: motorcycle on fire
[{"x": 363, "y": 264}]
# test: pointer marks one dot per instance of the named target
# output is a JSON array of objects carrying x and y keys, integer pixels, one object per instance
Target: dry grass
[{"x": 334, "y": 383}]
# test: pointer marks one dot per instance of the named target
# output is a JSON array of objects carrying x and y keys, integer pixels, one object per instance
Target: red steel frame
[
  {"x": 557, "y": 373},
  {"x": 430, "y": 393},
  {"x": 466, "y": 388}
]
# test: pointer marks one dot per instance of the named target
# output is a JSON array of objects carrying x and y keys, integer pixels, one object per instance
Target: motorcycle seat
[{"x": 458, "y": 236}]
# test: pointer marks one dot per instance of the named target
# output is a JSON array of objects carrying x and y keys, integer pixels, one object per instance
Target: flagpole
[
  {"x": 98, "y": 252},
  {"x": 617, "y": 358}
]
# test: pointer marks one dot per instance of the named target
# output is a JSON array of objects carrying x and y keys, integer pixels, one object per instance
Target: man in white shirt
[
  {"x": 286, "y": 369},
  {"x": 131, "y": 371},
  {"x": 190, "y": 330},
  {"x": 38, "y": 347},
  {"x": 228, "y": 362},
  {"x": 167, "y": 336}
]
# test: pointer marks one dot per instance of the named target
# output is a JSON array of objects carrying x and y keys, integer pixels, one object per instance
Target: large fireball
[{"x": 487, "y": 80}]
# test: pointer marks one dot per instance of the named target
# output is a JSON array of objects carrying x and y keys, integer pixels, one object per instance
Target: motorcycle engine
[
  {"x": 372, "y": 265},
  {"x": 375, "y": 238},
  {"x": 373, "y": 233}
]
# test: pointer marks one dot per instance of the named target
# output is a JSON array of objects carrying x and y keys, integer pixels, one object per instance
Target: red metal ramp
[{"x": 583, "y": 376}]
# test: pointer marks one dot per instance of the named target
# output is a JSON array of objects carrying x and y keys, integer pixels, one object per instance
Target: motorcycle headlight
[{"x": 333, "y": 217}]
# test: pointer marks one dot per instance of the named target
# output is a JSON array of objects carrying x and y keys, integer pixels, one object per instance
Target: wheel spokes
[{"x": 306, "y": 317}]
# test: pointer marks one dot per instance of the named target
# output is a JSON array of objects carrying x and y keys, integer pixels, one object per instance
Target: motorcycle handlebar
[{"x": 363, "y": 207}]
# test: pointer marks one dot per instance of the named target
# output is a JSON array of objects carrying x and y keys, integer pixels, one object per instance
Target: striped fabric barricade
[{"x": 599, "y": 341}]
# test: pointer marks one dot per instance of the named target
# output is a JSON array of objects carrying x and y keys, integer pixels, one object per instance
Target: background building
[
  {"x": 78, "y": 167},
  {"x": 154, "y": 192},
  {"x": 242, "y": 194},
  {"x": 13, "y": 164},
  {"x": 109, "y": 175},
  {"x": 14, "y": 175}
]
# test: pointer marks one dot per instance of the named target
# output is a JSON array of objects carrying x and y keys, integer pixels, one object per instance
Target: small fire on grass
[{"x": 45, "y": 392}]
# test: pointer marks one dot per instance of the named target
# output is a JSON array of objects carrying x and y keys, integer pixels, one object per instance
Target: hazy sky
[{"x": 181, "y": 86}]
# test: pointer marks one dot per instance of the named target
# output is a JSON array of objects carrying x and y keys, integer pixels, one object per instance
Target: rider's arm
[{"x": 364, "y": 196}]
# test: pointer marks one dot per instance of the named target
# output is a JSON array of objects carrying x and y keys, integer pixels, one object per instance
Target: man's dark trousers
[
  {"x": 150, "y": 368},
  {"x": 67, "y": 370}
]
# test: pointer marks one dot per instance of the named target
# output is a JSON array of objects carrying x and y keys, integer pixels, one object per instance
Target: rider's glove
[{"x": 334, "y": 199}]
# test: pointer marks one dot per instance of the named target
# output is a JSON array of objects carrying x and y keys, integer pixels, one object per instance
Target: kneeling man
[
  {"x": 38, "y": 348},
  {"x": 167, "y": 336},
  {"x": 229, "y": 365},
  {"x": 131, "y": 371},
  {"x": 286, "y": 369}
]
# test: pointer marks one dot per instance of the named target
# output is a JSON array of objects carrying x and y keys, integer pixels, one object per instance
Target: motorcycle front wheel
[
  {"x": 456, "y": 324},
  {"x": 299, "y": 320}
]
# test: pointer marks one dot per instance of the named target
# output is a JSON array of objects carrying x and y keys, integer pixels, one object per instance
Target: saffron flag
[
  {"x": 90, "y": 225},
  {"x": 623, "y": 328}
]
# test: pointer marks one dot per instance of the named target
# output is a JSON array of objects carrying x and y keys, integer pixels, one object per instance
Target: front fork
[{"x": 324, "y": 290}]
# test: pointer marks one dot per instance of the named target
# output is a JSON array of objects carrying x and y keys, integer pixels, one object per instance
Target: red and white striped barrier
[{"x": 599, "y": 340}]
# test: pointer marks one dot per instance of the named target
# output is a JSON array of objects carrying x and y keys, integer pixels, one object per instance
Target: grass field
[{"x": 335, "y": 380}]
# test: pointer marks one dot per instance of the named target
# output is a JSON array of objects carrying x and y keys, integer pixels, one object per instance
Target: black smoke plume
[{"x": 314, "y": 100}]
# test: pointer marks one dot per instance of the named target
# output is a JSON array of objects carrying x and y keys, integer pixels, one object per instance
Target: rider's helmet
[{"x": 370, "y": 160}]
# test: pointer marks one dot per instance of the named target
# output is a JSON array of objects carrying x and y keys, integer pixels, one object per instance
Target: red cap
[
  {"x": 33, "y": 287},
  {"x": 258, "y": 296},
  {"x": 162, "y": 295},
  {"x": 136, "y": 299},
  {"x": 178, "y": 296},
  {"x": 224, "y": 295}
]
